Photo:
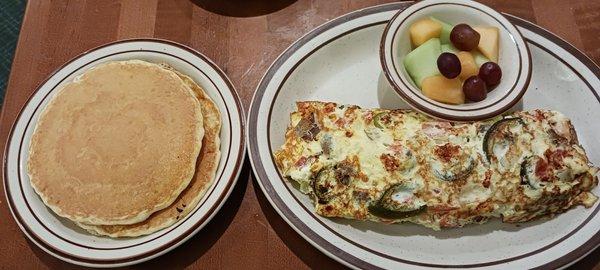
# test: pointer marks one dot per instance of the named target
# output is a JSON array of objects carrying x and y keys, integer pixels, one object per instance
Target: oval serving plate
[
  {"x": 339, "y": 62},
  {"x": 62, "y": 238}
]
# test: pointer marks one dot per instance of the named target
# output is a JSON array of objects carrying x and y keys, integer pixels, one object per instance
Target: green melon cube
[
  {"x": 449, "y": 48},
  {"x": 446, "y": 29},
  {"x": 480, "y": 59},
  {"x": 421, "y": 62}
]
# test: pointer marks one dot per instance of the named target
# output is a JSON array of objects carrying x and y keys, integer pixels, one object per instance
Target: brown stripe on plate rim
[
  {"x": 198, "y": 224},
  {"x": 313, "y": 236}
]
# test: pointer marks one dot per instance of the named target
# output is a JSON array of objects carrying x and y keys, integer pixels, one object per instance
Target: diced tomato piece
[
  {"x": 447, "y": 151},
  {"x": 542, "y": 170},
  {"x": 301, "y": 162}
]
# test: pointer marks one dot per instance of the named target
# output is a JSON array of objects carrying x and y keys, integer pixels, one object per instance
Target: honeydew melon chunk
[
  {"x": 445, "y": 33},
  {"x": 421, "y": 62},
  {"x": 480, "y": 59},
  {"x": 449, "y": 48},
  {"x": 423, "y": 30}
]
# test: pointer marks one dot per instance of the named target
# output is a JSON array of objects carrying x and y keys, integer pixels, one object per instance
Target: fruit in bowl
[{"x": 453, "y": 64}]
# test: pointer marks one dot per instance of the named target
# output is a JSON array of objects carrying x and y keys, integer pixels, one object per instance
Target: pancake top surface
[
  {"x": 206, "y": 167},
  {"x": 117, "y": 144}
]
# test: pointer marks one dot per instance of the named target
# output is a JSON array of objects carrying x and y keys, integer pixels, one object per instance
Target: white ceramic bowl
[{"x": 514, "y": 59}]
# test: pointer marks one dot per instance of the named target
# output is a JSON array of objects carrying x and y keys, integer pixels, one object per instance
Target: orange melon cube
[
  {"x": 424, "y": 30},
  {"x": 488, "y": 43},
  {"x": 442, "y": 89},
  {"x": 467, "y": 64}
]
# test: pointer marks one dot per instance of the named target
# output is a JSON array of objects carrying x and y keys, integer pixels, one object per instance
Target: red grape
[
  {"x": 464, "y": 37},
  {"x": 475, "y": 89},
  {"x": 449, "y": 65},
  {"x": 491, "y": 73}
]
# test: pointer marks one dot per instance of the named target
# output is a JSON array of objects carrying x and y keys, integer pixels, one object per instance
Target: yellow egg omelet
[{"x": 401, "y": 166}]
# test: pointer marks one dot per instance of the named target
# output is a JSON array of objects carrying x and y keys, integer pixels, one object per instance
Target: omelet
[{"x": 397, "y": 166}]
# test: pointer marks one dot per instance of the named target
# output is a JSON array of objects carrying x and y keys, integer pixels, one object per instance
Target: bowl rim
[{"x": 400, "y": 87}]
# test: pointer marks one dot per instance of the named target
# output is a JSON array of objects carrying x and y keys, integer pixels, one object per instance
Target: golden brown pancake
[
  {"x": 206, "y": 166},
  {"x": 117, "y": 144}
]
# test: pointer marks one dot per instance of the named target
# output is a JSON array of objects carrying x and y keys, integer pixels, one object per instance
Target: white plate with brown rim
[
  {"x": 62, "y": 238},
  {"x": 339, "y": 62}
]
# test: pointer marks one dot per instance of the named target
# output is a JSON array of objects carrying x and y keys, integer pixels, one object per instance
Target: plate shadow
[
  {"x": 195, "y": 247},
  {"x": 311, "y": 256},
  {"x": 387, "y": 96},
  {"x": 243, "y": 8},
  {"x": 409, "y": 229}
]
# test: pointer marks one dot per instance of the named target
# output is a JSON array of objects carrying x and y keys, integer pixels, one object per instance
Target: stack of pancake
[{"x": 125, "y": 149}]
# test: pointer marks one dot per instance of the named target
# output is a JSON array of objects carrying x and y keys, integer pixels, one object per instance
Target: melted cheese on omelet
[{"x": 439, "y": 164}]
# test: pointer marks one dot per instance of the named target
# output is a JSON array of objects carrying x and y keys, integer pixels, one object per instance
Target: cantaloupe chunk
[
  {"x": 468, "y": 67},
  {"x": 446, "y": 30},
  {"x": 424, "y": 30},
  {"x": 488, "y": 42},
  {"x": 442, "y": 89}
]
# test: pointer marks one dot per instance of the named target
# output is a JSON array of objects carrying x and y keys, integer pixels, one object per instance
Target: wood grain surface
[{"x": 243, "y": 37}]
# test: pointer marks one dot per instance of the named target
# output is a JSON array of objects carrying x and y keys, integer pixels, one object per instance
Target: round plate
[
  {"x": 339, "y": 62},
  {"x": 62, "y": 238}
]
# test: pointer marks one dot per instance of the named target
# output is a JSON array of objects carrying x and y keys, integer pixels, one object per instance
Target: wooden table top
[{"x": 243, "y": 38}]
